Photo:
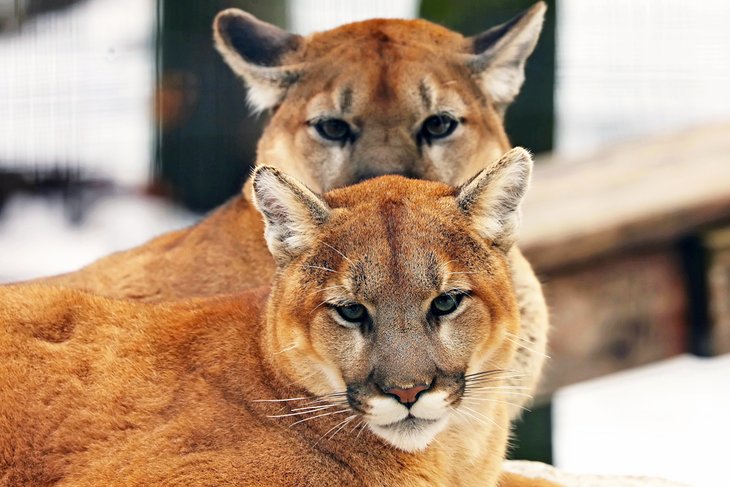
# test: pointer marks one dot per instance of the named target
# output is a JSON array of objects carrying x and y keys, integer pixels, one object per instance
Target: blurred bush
[
  {"x": 206, "y": 138},
  {"x": 530, "y": 119}
]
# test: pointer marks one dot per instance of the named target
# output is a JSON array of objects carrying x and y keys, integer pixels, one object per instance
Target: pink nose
[{"x": 406, "y": 396}]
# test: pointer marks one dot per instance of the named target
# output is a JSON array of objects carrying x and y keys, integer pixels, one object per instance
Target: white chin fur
[
  {"x": 386, "y": 416},
  {"x": 410, "y": 439}
]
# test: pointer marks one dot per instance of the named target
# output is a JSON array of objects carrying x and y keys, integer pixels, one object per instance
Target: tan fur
[
  {"x": 380, "y": 70},
  {"x": 101, "y": 392}
]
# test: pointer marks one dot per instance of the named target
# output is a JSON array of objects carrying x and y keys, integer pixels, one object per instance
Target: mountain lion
[
  {"x": 383, "y": 96},
  {"x": 379, "y": 357}
]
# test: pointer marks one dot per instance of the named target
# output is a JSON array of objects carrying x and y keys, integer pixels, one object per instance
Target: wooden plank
[
  {"x": 643, "y": 192},
  {"x": 718, "y": 243},
  {"x": 615, "y": 314}
]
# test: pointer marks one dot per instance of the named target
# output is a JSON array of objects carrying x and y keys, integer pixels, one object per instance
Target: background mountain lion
[
  {"x": 379, "y": 357},
  {"x": 376, "y": 97}
]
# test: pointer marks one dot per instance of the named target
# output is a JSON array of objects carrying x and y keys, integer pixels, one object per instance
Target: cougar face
[
  {"x": 395, "y": 294},
  {"x": 379, "y": 97}
]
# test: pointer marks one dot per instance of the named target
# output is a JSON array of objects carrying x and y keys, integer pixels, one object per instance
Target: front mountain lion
[
  {"x": 383, "y": 96},
  {"x": 379, "y": 357}
]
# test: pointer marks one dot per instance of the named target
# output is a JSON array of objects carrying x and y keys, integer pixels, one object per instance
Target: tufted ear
[
  {"x": 500, "y": 54},
  {"x": 255, "y": 51},
  {"x": 292, "y": 212},
  {"x": 492, "y": 198}
]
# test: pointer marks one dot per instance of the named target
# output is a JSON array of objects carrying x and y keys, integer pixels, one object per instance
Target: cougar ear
[
  {"x": 492, "y": 198},
  {"x": 292, "y": 212},
  {"x": 500, "y": 54},
  {"x": 255, "y": 50}
]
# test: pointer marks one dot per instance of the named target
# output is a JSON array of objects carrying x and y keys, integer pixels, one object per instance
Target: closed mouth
[{"x": 411, "y": 422}]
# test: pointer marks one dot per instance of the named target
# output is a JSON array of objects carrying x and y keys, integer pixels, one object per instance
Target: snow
[
  {"x": 668, "y": 420},
  {"x": 77, "y": 88},
  {"x": 38, "y": 239}
]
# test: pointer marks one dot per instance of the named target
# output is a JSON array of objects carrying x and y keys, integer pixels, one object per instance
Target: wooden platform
[
  {"x": 621, "y": 240},
  {"x": 646, "y": 192}
]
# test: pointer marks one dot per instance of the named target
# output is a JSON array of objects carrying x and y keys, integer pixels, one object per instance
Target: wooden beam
[{"x": 634, "y": 194}]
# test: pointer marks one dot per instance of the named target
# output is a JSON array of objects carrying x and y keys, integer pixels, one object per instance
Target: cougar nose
[{"x": 407, "y": 396}]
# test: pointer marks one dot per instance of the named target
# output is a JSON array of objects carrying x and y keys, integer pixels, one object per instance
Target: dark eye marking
[
  {"x": 333, "y": 129},
  {"x": 437, "y": 127},
  {"x": 346, "y": 100},
  {"x": 446, "y": 303},
  {"x": 354, "y": 313},
  {"x": 425, "y": 92}
]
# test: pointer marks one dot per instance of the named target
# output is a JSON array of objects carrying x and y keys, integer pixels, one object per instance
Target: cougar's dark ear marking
[
  {"x": 500, "y": 53},
  {"x": 292, "y": 212},
  {"x": 255, "y": 50},
  {"x": 491, "y": 199}
]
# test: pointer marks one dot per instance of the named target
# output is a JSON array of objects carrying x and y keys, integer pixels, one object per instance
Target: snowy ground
[
  {"x": 37, "y": 239},
  {"x": 667, "y": 420}
]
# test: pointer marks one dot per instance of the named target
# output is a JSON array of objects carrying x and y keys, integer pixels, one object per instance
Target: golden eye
[
  {"x": 354, "y": 313},
  {"x": 438, "y": 127},
  {"x": 333, "y": 129},
  {"x": 445, "y": 304}
]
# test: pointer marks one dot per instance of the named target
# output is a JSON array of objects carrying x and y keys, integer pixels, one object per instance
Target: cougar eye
[
  {"x": 354, "y": 313},
  {"x": 333, "y": 129},
  {"x": 445, "y": 304},
  {"x": 438, "y": 126}
]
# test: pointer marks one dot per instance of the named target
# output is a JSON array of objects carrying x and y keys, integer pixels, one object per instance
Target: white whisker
[
  {"x": 341, "y": 425},
  {"x": 495, "y": 378},
  {"x": 315, "y": 408},
  {"x": 325, "y": 399},
  {"x": 316, "y": 307},
  {"x": 332, "y": 428},
  {"x": 319, "y": 416},
  {"x": 343, "y": 255},
  {"x": 471, "y": 416},
  {"x": 301, "y": 379},
  {"x": 329, "y": 398},
  {"x": 517, "y": 337},
  {"x": 337, "y": 286},
  {"x": 288, "y": 348},
  {"x": 477, "y": 387},
  {"x": 298, "y": 413},
  {"x": 491, "y": 377},
  {"x": 492, "y": 371},
  {"x": 519, "y": 344},
  {"x": 356, "y": 426},
  {"x": 305, "y": 398},
  {"x": 362, "y": 428},
  {"x": 505, "y": 393},
  {"x": 484, "y": 416},
  {"x": 320, "y": 267},
  {"x": 444, "y": 268},
  {"x": 282, "y": 400},
  {"x": 344, "y": 421}
]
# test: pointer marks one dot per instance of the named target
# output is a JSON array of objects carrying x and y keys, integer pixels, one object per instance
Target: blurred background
[{"x": 119, "y": 121}]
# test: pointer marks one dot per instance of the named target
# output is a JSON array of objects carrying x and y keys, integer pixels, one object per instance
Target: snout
[
  {"x": 380, "y": 160},
  {"x": 389, "y": 403},
  {"x": 406, "y": 413},
  {"x": 374, "y": 173}
]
